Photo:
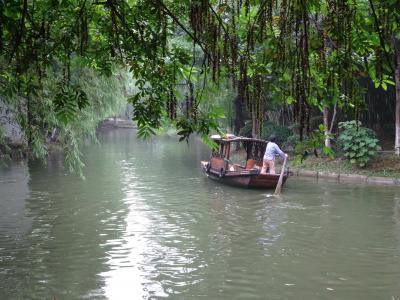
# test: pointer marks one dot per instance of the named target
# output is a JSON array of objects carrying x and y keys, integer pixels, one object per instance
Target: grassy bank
[{"x": 383, "y": 165}]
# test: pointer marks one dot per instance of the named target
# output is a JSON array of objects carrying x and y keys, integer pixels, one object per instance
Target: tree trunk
[
  {"x": 397, "y": 80},
  {"x": 239, "y": 122},
  {"x": 326, "y": 125},
  {"x": 253, "y": 124}
]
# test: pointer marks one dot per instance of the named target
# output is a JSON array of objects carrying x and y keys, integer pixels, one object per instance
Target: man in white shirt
[{"x": 269, "y": 157}]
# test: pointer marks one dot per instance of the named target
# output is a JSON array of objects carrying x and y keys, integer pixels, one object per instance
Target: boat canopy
[{"x": 255, "y": 148}]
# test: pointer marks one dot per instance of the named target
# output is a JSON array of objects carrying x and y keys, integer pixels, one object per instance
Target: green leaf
[
  {"x": 290, "y": 100},
  {"x": 388, "y": 81}
]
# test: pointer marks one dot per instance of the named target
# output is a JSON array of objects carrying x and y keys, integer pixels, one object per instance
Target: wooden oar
[{"x": 280, "y": 181}]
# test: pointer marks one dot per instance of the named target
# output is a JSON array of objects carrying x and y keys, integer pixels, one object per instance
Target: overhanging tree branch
[
  {"x": 196, "y": 40},
  {"x": 220, "y": 21},
  {"x": 381, "y": 38},
  {"x": 21, "y": 32}
]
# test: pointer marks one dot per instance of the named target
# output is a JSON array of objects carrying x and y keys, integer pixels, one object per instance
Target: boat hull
[{"x": 245, "y": 179}]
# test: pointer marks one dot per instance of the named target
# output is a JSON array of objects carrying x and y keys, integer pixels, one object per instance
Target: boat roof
[{"x": 229, "y": 138}]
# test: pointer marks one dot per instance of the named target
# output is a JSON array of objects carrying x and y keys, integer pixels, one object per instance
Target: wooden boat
[{"x": 220, "y": 167}]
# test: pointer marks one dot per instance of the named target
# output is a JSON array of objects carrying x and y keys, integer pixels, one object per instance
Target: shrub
[
  {"x": 313, "y": 144},
  {"x": 358, "y": 143}
]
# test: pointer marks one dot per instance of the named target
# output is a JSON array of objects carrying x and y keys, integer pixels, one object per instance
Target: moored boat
[{"x": 223, "y": 168}]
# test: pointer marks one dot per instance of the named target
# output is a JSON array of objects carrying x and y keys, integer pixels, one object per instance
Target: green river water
[{"x": 146, "y": 224}]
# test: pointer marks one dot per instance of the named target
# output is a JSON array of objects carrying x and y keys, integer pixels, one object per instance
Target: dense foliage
[
  {"x": 70, "y": 123},
  {"x": 305, "y": 56}
]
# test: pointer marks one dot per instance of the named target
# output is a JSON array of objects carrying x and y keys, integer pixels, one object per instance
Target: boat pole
[{"x": 279, "y": 185}]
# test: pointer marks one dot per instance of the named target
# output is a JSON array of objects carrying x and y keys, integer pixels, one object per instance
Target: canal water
[{"x": 146, "y": 224}]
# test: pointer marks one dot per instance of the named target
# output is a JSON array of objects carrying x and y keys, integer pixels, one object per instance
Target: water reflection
[
  {"x": 14, "y": 225},
  {"x": 157, "y": 253},
  {"x": 14, "y": 190},
  {"x": 127, "y": 258},
  {"x": 170, "y": 246},
  {"x": 396, "y": 219},
  {"x": 60, "y": 255}
]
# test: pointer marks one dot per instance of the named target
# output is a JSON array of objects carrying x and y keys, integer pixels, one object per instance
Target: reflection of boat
[{"x": 222, "y": 168}]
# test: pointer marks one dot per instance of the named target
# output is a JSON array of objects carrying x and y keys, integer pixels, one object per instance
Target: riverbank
[
  {"x": 116, "y": 123},
  {"x": 384, "y": 169}
]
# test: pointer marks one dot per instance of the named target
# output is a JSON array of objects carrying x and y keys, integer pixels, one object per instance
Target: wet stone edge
[{"x": 344, "y": 177}]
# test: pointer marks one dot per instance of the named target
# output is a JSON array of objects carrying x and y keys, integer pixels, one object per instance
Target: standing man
[{"x": 269, "y": 157}]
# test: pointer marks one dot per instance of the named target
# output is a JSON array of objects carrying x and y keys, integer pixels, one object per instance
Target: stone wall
[{"x": 10, "y": 127}]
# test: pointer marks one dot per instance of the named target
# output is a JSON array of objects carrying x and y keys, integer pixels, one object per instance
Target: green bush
[
  {"x": 358, "y": 143},
  {"x": 314, "y": 143}
]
